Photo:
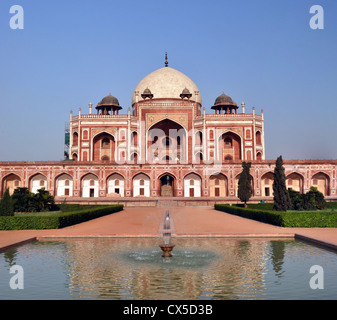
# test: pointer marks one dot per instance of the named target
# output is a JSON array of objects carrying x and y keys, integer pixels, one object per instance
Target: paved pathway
[{"x": 187, "y": 222}]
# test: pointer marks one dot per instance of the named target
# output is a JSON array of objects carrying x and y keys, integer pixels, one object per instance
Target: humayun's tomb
[{"x": 165, "y": 150}]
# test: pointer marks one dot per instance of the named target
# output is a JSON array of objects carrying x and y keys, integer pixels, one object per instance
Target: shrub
[
  {"x": 318, "y": 197},
  {"x": 55, "y": 220},
  {"x": 331, "y": 205},
  {"x": 6, "y": 205},
  {"x": 311, "y": 200}
]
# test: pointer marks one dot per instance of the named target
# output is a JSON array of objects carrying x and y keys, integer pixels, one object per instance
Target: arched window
[
  {"x": 134, "y": 138},
  {"x": 75, "y": 139},
  {"x": 258, "y": 138},
  {"x": 141, "y": 182},
  {"x": 198, "y": 138},
  {"x": 105, "y": 158},
  {"x": 66, "y": 183},
  {"x": 92, "y": 183},
  {"x": 133, "y": 157}
]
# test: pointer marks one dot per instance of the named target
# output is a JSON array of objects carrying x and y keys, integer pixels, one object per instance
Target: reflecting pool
[{"x": 210, "y": 268}]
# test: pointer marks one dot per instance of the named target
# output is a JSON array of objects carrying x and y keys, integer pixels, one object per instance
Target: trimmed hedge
[
  {"x": 299, "y": 219},
  {"x": 55, "y": 220},
  {"x": 255, "y": 214},
  {"x": 331, "y": 205}
]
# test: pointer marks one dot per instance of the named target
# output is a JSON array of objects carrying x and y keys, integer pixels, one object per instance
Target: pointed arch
[
  {"x": 198, "y": 138},
  {"x": 11, "y": 181},
  {"x": 267, "y": 180},
  {"x": 192, "y": 185},
  {"x": 166, "y": 137},
  {"x": 74, "y": 156},
  {"x": 103, "y": 146},
  {"x": 141, "y": 185},
  {"x": 134, "y": 138},
  {"x": 37, "y": 181},
  {"x": 115, "y": 185},
  {"x": 64, "y": 185},
  {"x": 75, "y": 139},
  {"x": 258, "y": 138},
  {"x": 229, "y": 145},
  {"x": 218, "y": 185},
  {"x": 89, "y": 185},
  {"x": 321, "y": 181},
  {"x": 167, "y": 184},
  {"x": 295, "y": 181}
]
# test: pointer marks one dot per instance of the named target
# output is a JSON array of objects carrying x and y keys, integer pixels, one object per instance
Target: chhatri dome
[{"x": 166, "y": 83}]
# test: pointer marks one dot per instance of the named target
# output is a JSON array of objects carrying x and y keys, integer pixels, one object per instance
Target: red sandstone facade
[{"x": 166, "y": 146}]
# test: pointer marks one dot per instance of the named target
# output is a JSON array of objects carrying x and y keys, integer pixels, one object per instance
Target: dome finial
[{"x": 166, "y": 62}]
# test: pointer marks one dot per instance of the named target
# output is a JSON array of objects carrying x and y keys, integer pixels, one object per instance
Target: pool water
[{"x": 216, "y": 268}]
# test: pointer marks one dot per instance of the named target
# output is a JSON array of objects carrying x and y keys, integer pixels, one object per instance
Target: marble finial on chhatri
[{"x": 166, "y": 62}]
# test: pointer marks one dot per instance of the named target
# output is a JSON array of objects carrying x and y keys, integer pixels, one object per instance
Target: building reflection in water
[{"x": 201, "y": 268}]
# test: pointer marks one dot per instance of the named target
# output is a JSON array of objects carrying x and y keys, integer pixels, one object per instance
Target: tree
[
  {"x": 25, "y": 201},
  {"x": 6, "y": 205},
  {"x": 44, "y": 201},
  {"x": 281, "y": 196},
  {"x": 245, "y": 189}
]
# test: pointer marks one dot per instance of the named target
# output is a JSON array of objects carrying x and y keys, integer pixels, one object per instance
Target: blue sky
[{"x": 261, "y": 52}]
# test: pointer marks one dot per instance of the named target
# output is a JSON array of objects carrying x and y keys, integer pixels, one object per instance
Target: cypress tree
[
  {"x": 245, "y": 183},
  {"x": 282, "y": 200},
  {"x": 6, "y": 205}
]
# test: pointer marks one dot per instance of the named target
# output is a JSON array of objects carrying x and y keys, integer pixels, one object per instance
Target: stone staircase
[{"x": 167, "y": 203}]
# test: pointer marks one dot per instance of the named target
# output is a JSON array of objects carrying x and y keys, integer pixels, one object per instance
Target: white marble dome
[{"x": 166, "y": 83}]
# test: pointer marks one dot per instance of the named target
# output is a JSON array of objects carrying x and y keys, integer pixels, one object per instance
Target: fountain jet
[{"x": 167, "y": 247}]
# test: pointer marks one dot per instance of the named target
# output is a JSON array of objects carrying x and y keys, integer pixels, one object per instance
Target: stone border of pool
[{"x": 189, "y": 222}]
